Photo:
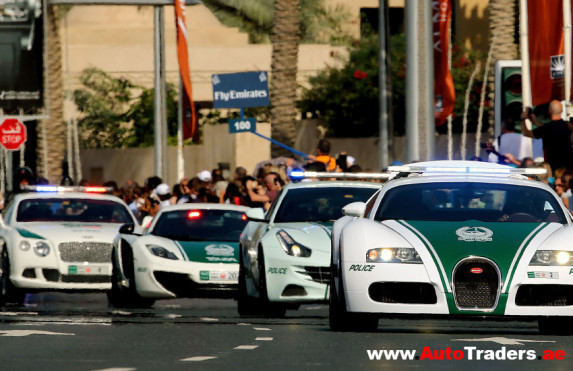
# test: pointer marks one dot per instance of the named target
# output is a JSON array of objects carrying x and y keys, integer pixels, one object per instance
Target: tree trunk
[
  {"x": 285, "y": 39},
  {"x": 503, "y": 18},
  {"x": 52, "y": 132}
]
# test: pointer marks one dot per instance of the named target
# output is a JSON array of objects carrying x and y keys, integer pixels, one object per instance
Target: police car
[
  {"x": 454, "y": 238},
  {"x": 188, "y": 250},
  {"x": 285, "y": 252},
  {"x": 58, "y": 238}
]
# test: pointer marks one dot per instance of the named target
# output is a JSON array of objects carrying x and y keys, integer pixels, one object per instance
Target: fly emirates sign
[{"x": 239, "y": 90}]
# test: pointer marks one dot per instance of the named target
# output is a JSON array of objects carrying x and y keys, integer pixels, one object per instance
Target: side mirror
[
  {"x": 146, "y": 222},
  {"x": 256, "y": 215},
  {"x": 127, "y": 228},
  {"x": 355, "y": 209}
]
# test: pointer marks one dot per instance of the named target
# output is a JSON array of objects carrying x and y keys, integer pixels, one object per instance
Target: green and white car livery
[
  {"x": 188, "y": 250},
  {"x": 58, "y": 238},
  {"x": 454, "y": 238},
  {"x": 285, "y": 253}
]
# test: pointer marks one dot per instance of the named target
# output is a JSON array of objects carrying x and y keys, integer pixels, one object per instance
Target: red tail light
[{"x": 194, "y": 214}]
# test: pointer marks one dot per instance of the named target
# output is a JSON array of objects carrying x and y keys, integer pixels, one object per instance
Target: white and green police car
[
  {"x": 454, "y": 238},
  {"x": 55, "y": 238}
]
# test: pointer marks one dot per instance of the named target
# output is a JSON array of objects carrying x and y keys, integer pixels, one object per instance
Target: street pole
[
  {"x": 383, "y": 96},
  {"x": 412, "y": 99},
  {"x": 429, "y": 82},
  {"x": 160, "y": 116}
]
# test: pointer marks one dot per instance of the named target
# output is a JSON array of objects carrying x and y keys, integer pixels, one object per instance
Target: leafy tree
[{"x": 346, "y": 98}]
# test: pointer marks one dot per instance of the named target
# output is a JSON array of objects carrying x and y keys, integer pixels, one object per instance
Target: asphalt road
[{"x": 80, "y": 332}]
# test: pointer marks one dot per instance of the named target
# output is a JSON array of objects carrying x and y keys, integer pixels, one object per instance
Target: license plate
[
  {"x": 88, "y": 269},
  {"x": 219, "y": 276}
]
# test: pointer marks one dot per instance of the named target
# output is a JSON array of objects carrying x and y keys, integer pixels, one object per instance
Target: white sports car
[
  {"x": 285, "y": 253},
  {"x": 58, "y": 238},
  {"x": 454, "y": 238},
  {"x": 188, "y": 250}
]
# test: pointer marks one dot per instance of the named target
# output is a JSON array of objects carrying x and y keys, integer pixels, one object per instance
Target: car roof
[
  {"x": 204, "y": 206},
  {"x": 332, "y": 183},
  {"x": 66, "y": 195}
]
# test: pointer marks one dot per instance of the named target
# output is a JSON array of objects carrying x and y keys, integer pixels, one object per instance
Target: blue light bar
[{"x": 467, "y": 169}]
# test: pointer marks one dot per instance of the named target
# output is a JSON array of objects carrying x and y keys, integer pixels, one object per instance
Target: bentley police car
[
  {"x": 285, "y": 253},
  {"x": 58, "y": 238},
  {"x": 454, "y": 238},
  {"x": 188, "y": 250}
]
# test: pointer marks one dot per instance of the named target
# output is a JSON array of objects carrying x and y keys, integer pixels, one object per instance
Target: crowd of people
[{"x": 256, "y": 189}]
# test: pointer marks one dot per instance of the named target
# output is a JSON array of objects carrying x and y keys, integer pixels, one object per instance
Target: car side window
[{"x": 370, "y": 204}]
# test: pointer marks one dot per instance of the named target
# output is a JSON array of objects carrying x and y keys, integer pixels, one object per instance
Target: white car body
[
  {"x": 272, "y": 278},
  {"x": 449, "y": 258},
  {"x": 197, "y": 267},
  {"x": 79, "y": 251}
]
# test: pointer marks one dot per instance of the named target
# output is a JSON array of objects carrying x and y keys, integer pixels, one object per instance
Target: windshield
[
  {"x": 201, "y": 225},
  {"x": 72, "y": 209},
  {"x": 319, "y": 204},
  {"x": 486, "y": 202}
]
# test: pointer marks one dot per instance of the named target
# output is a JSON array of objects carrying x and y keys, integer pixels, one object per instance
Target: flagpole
[
  {"x": 567, "y": 49},
  {"x": 180, "y": 158},
  {"x": 524, "y": 46}
]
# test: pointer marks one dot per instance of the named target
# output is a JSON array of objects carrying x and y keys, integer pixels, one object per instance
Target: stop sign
[{"x": 12, "y": 134}]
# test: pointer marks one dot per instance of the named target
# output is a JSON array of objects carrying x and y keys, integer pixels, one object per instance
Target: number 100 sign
[{"x": 243, "y": 124}]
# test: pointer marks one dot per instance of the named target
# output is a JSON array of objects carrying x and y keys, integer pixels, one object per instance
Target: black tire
[
  {"x": 119, "y": 295},
  {"x": 9, "y": 294},
  {"x": 267, "y": 308},
  {"x": 339, "y": 318},
  {"x": 556, "y": 325},
  {"x": 246, "y": 305}
]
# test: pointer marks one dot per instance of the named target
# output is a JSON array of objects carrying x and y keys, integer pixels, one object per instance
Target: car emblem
[
  {"x": 219, "y": 250},
  {"x": 476, "y": 270},
  {"x": 479, "y": 234}
]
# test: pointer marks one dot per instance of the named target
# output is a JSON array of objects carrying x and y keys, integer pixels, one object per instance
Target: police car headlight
[
  {"x": 25, "y": 245},
  {"x": 552, "y": 257},
  {"x": 393, "y": 255},
  {"x": 291, "y": 247},
  {"x": 41, "y": 248},
  {"x": 162, "y": 252}
]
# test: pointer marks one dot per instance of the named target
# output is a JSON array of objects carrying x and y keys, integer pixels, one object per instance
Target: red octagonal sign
[{"x": 12, "y": 134}]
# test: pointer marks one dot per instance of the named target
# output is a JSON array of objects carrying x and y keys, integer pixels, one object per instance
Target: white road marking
[
  {"x": 197, "y": 359},
  {"x": 172, "y": 315},
  {"x": 121, "y": 312},
  {"x": 207, "y": 319},
  {"x": 247, "y": 347},
  {"x": 262, "y": 329},
  {"x": 30, "y": 332},
  {"x": 243, "y": 324},
  {"x": 506, "y": 341},
  {"x": 118, "y": 369},
  {"x": 264, "y": 339},
  {"x": 18, "y": 313}
]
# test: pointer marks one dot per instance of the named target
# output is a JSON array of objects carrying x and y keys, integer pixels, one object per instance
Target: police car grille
[
  {"x": 92, "y": 252},
  {"x": 318, "y": 274},
  {"x": 53, "y": 275},
  {"x": 403, "y": 292},
  {"x": 544, "y": 295},
  {"x": 476, "y": 284}
]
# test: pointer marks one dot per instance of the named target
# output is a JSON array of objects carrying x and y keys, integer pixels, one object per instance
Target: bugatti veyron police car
[{"x": 454, "y": 238}]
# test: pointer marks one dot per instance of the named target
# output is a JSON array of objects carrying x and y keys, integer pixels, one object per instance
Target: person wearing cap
[{"x": 163, "y": 192}]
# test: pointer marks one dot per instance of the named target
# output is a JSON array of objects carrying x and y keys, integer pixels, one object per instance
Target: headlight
[
  {"x": 292, "y": 247},
  {"x": 162, "y": 252},
  {"x": 41, "y": 248},
  {"x": 552, "y": 257},
  {"x": 393, "y": 255},
  {"x": 25, "y": 245}
]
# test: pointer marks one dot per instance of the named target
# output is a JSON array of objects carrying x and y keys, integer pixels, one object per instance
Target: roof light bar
[
  {"x": 62, "y": 189},
  {"x": 297, "y": 174},
  {"x": 467, "y": 169}
]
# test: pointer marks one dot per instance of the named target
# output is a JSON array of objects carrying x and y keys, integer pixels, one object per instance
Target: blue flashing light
[
  {"x": 46, "y": 188},
  {"x": 296, "y": 175}
]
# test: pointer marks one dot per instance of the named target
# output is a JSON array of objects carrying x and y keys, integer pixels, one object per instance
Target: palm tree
[
  {"x": 503, "y": 17},
  {"x": 52, "y": 132},
  {"x": 284, "y": 66}
]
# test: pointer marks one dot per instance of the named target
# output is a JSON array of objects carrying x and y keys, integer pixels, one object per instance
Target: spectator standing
[
  {"x": 323, "y": 155},
  {"x": 556, "y": 136},
  {"x": 560, "y": 190}
]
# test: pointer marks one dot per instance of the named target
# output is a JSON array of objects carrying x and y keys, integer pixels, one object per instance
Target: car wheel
[
  {"x": 246, "y": 305},
  {"x": 122, "y": 296},
  {"x": 268, "y": 309},
  {"x": 9, "y": 294},
  {"x": 339, "y": 318},
  {"x": 556, "y": 325}
]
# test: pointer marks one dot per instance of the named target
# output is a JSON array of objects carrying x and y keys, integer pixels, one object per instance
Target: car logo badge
[
  {"x": 478, "y": 234},
  {"x": 476, "y": 270}
]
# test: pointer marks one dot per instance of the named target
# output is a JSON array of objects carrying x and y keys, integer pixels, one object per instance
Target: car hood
[
  {"x": 210, "y": 251},
  {"x": 503, "y": 243},
  {"x": 70, "y": 231},
  {"x": 313, "y": 235}
]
